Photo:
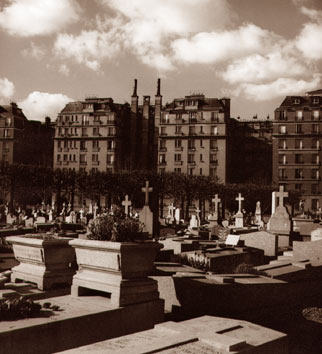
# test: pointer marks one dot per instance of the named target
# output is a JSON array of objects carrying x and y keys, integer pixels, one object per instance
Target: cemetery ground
[{"x": 251, "y": 286}]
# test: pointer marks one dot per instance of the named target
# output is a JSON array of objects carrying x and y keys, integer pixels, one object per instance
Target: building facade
[
  {"x": 297, "y": 139},
  {"x": 24, "y": 141},
  {"x": 193, "y": 136}
]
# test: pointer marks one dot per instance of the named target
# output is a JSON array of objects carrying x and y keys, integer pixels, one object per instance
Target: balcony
[
  {"x": 66, "y": 149},
  {"x": 95, "y": 163},
  {"x": 163, "y": 149},
  {"x": 65, "y": 163},
  {"x": 191, "y": 148},
  {"x": 83, "y": 163},
  {"x": 178, "y": 163},
  {"x": 178, "y": 148},
  {"x": 215, "y": 148},
  {"x": 96, "y": 149},
  {"x": 59, "y": 163},
  {"x": 193, "y": 163},
  {"x": 214, "y": 162},
  {"x": 162, "y": 163}
]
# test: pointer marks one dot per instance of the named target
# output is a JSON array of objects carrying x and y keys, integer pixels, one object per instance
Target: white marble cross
[
  {"x": 281, "y": 195},
  {"x": 95, "y": 210},
  {"x": 216, "y": 201},
  {"x": 147, "y": 190},
  {"x": 239, "y": 199},
  {"x": 171, "y": 209},
  {"x": 126, "y": 203}
]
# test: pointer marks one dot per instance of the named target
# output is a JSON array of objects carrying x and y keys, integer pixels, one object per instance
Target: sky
[{"x": 255, "y": 52}]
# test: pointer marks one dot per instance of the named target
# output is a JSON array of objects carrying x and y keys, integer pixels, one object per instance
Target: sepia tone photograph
[{"x": 160, "y": 187}]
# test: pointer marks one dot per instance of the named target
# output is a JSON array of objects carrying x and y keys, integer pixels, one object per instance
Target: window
[
  {"x": 58, "y": 158},
  {"x": 282, "y": 144},
  {"x": 191, "y": 144},
  {"x": 109, "y": 158},
  {"x": 191, "y": 158},
  {"x": 201, "y": 143},
  {"x": 6, "y": 146},
  {"x": 95, "y": 144},
  {"x": 282, "y": 159},
  {"x": 315, "y": 128},
  {"x": 200, "y": 171},
  {"x": 316, "y": 100},
  {"x": 299, "y": 159},
  {"x": 83, "y": 145},
  {"x": 316, "y": 115},
  {"x": 161, "y": 170},
  {"x": 6, "y": 133},
  {"x": 192, "y": 130},
  {"x": 110, "y": 118},
  {"x": 96, "y": 119},
  {"x": 177, "y": 169},
  {"x": 201, "y": 130},
  {"x": 315, "y": 174},
  {"x": 296, "y": 101},
  {"x": 282, "y": 173},
  {"x": 213, "y": 172},
  {"x": 178, "y": 129},
  {"x": 178, "y": 143},
  {"x": 315, "y": 204},
  {"x": 82, "y": 158},
  {"x": 178, "y": 116},
  {"x": 111, "y": 131},
  {"x": 177, "y": 157},
  {"x": 314, "y": 188},
  {"x": 214, "y": 130},
  {"x": 193, "y": 116},
  {"x": 110, "y": 144},
  {"x": 162, "y": 144},
  {"x": 315, "y": 159},
  {"x": 299, "y": 115},
  {"x": 282, "y": 129},
  {"x": 85, "y": 120},
  {"x": 190, "y": 171},
  {"x": 283, "y": 115},
  {"x": 201, "y": 159},
  {"x": 213, "y": 144},
  {"x": 298, "y": 187},
  {"x": 298, "y": 128},
  {"x": 315, "y": 143},
  {"x": 298, "y": 173},
  {"x": 214, "y": 116},
  {"x": 8, "y": 122},
  {"x": 94, "y": 169},
  {"x": 213, "y": 158},
  {"x": 96, "y": 131},
  {"x": 65, "y": 157},
  {"x": 94, "y": 157},
  {"x": 299, "y": 144},
  {"x": 162, "y": 158},
  {"x": 84, "y": 131}
]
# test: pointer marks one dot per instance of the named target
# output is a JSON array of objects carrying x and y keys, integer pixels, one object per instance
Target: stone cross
[
  {"x": 147, "y": 190},
  {"x": 126, "y": 203},
  {"x": 239, "y": 199},
  {"x": 216, "y": 201},
  {"x": 171, "y": 210},
  {"x": 95, "y": 210},
  {"x": 281, "y": 195}
]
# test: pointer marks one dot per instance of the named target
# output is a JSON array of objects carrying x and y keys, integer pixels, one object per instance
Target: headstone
[
  {"x": 280, "y": 221},
  {"x": 198, "y": 211},
  {"x": 126, "y": 203},
  {"x": 146, "y": 215},
  {"x": 40, "y": 220},
  {"x": 177, "y": 215},
  {"x": 193, "y": 221},
  {"x": 273, "y": 202},
  {"x": 11, "y": 218},
  {"x": 29, "y": 222},
  {"x": 95, "y": 210},
  {"x": 316, "y": 235},
  {"x": 73, "y": 217},
  {"x": 68, "y": 219},
  {"x": 50, "y": 215},
  {"x": 239, "y": 216},
  {"x": 90, "y": 208},
  {"x": 232, "y": 240},
  {"x": 258, "y": 213}
]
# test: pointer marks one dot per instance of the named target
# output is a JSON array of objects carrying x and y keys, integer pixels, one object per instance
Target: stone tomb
[{"x": 211, "y": 335}]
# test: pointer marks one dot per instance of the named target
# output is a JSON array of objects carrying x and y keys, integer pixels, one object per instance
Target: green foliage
[{"x": 116, "y": 227}]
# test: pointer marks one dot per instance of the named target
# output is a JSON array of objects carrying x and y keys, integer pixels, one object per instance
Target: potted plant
[
  {"x": 43, "y": 259},
  {"x": 116, "y": 258}
]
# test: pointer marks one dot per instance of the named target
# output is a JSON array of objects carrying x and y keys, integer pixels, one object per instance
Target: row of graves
[{"x": 217, "y": 288}]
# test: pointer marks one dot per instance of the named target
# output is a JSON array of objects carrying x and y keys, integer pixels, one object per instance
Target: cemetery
[{"x": 150, "y": 275}]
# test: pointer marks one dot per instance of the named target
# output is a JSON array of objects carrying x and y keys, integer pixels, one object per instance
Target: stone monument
[
  {"x": 146, "y": 215},
  {"x": 258, "y": 213},
  {"x": 239, "y": 217},
  {"x": 126, "y": 203},
  {"x": 213, "y": 217},
  {"x": 170, "y": 217}
]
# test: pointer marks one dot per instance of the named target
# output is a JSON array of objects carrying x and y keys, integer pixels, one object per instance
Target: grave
[
  {"x": 266, "y": 241},
  {"x": 239, "y": 217},
  {"x": 171, "y": 210},
  {"x": 146, "y": 215},
  {"x": 126, "y": 203},
  {"x": 316, "y": 235},
  {"x": 211, "y": 335},
  {"x": 280, "y": 222}
]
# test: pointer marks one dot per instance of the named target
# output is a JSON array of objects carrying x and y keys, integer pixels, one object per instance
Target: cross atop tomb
[
  {"x": 147, "y": 190},
  {"x": 216, "y": 201},
  {"x": 281, "y": 195},
  {"x": 126, "y": 203},
  {"x": 95, "y": 210},
  {"x": 239, "y": 200}
]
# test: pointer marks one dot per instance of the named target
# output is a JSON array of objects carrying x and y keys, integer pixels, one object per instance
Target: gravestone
[
  {"x": 29, "y": 222},
  {"x": 239, "y": 217},
  {"x": 193, "y": 221},
  {"x": 232, "y": 240},
  {"x": 316, "y": 235},
  {"x": 68, "y": 219},
  {"x": 73, "y": 217},
  {"x": 146, "y": 215},
  {"x": 206, "y": 334},
  {"x": 258, "y": 213},
  {"x": 171, "y": 209},
  {"x": 11, "y": 218},
  {"x": 50, "y": 215},
  {"x": 95, "y": 210},
  {"x": 40, "y": 220},
  {"x": 126, "y": 203},
  {"x": 178, "y": 215},
  {"x": 280, "y": 222}
]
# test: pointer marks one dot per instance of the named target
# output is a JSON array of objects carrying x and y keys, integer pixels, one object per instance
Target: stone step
[
  {"x": 19, "y": 286},
  {"x": 284, "y": 258},
  {"x": 288, "y": 253}
]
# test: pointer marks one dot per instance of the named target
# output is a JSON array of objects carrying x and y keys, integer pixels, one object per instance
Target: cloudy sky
[{"x": 256, "y": 52}]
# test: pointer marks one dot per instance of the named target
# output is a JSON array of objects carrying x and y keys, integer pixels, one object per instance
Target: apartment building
[
  {"x": 297, "y": 146},
  {"x": 24, "y": 141},
  {"x": 193, "y": 136}
]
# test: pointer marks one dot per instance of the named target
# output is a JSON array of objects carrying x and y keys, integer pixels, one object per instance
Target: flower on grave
[{"x": 116, "y": 227}]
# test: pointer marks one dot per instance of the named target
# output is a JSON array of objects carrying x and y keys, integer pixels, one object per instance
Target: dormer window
[
  {"x": 296, "y": 101},
  {"x": 316, "y": 100}
]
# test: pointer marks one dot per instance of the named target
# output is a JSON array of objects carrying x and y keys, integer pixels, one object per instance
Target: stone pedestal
[
  {"x": 239, "y": 220},
  {"x": 280, "y": 222},
  {"x": 146, "y": 217}
]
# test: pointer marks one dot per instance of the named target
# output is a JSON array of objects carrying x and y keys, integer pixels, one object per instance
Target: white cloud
[
  {"x": 34, "y": 51},
  {"x": 64, "y": 69},
  {"x": 37, "y": 17},
  {"x": 211, "y": 47},
  {"x": 258, "y": 68},
  {"x": 38, "y": 105},
  {"x": 309, "y": 41},
  {"x": 313, "y": 14},
  {"x": 278, "y": 88},
  {"x": 88, "y": 48},
  {"x": 7, "y": 88}
]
